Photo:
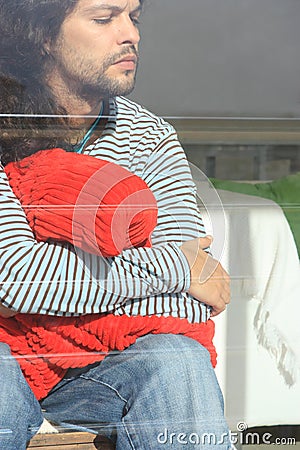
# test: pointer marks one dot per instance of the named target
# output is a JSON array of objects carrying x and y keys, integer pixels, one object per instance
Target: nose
[{"x": 128, "y": 32}]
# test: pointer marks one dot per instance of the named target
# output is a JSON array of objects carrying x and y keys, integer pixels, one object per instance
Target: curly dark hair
[
  {"x": 26, "y": 104},
  {"x": 30, "y": 119}
]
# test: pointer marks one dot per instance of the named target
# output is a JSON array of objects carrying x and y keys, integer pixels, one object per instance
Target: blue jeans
[
  {"x": 20, "y": 413},
  {"x": 159, "y": 393}
]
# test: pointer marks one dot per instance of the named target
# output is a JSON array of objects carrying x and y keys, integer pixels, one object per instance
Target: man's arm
[
  {"x": 168, "y": 175},
  {"x": 55, "y": 279},
  {"x": 209, "y": 281}
]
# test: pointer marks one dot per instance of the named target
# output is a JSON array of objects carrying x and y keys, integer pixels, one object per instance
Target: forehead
[{"x": 122, "y": 5}]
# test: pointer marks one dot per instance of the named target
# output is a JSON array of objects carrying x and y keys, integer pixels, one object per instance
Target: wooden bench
[{"x": 70, "y": 441}]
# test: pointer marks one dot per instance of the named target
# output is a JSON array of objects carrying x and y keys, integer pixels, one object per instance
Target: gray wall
[{"x": 220, "y": 58}]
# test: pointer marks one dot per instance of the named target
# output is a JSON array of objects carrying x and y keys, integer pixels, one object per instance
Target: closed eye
[
  {"x": 103, "y": 20},
  {"x": 135, "y": 20}
]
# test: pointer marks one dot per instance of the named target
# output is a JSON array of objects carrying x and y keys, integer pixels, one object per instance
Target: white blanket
[{"x": 258, "y": 250}]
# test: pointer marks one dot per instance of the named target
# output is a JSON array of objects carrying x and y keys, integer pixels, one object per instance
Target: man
[{"x": 63, "y": 64}]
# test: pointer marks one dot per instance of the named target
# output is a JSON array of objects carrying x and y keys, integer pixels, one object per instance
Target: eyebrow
[{"x": 109, "y": 7}]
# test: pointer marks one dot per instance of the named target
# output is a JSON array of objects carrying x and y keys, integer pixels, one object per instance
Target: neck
[
  {"x": 82, "y": 115},
  {"x": 82, "y": 109},
  {"x": 82, "y": 112}
]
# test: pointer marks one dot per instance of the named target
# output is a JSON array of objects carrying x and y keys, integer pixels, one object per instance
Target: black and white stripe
[{"x": 56, "y": 279}]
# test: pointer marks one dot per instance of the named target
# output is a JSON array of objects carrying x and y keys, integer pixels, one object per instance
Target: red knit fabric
[
  {"x": 94, "y": 204},
  {"x": 47, "y": 346}
]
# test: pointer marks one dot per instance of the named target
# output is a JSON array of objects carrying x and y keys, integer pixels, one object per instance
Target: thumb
[{"x": 205, "y": 241}]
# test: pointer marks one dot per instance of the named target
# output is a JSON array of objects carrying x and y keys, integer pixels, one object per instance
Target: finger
[
  {"x": 226, "y": 298},
  {"x": 226, "y": 277},
  {"x": 205, "y": 242},
  {"x": 227, "y": 290},
  {"x": 217, "y": 311},
  {"x": 6, "y": 312},
  {"x": 219, "y": 305}
]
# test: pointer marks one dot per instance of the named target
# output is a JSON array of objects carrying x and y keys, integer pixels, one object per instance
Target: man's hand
[
  {"x": 6, "y": 312},
  {"x": 210, "y": 283}
]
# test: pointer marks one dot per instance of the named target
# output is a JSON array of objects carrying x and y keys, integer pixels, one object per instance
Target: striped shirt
[{"x": 58, "y": 279}]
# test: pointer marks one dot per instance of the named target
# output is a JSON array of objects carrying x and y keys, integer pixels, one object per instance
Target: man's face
[{"x": 96, "y": 53}]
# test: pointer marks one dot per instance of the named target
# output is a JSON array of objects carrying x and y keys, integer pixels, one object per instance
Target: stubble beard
[
  {"x": 91, "y": 84},
  {"x": 83, "y": 80},
  {"x": 105, "y": 87}
]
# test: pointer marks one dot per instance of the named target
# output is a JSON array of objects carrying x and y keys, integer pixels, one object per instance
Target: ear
[{"x": 46, "y": 48}]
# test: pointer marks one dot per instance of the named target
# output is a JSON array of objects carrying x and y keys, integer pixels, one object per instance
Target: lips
[{"x": 127, "y": 62}]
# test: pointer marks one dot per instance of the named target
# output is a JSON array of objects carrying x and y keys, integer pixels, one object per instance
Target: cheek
[{"x": 90, "y": 38}]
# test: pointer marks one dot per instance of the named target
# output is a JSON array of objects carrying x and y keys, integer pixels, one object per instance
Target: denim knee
[
  {"x": 171, "y": 350},
  {"x": 9, "y": 367},
  {"x": 20, "y": 413},
  {"x": 11, "y": 377},
  {"x": 13, "y": 386},
  {"x": 179, "y": 369},
  {"x": 4, "y": 349}
]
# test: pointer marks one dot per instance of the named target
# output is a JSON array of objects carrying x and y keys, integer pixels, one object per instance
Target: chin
[
  {"x": 110, "y": 86},
  {"x": 118, "y": 88}
]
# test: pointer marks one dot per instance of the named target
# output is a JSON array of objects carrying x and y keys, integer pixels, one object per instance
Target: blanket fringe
[{"x": 269, "y": 337}]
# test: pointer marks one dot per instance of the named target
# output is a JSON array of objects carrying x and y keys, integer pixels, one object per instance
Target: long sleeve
[
  {"x": 168, "y": 175},
  {"x": 57, "y": 279}
]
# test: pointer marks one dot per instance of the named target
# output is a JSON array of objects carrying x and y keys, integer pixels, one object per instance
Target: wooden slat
[
  {"x": 69, "y": 441},
  {"x": 54, "y": 438},
  {"x": 69, "y": 447}
]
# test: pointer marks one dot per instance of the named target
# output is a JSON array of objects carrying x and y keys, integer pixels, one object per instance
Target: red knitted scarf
[{"x": 46, "y": 346}]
